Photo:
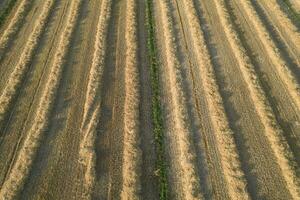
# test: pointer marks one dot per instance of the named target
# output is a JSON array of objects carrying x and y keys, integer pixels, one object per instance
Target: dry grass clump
[
  {"x": 20, "y": 69},
  {"x": 92, "y": 102},
  {"x": 183, "y": 134},
  {"x": 132, "y": 154},
  {"x": 13, "y": 25},
  {"x": 24, "y": 159},
  {"x": 284, "y": 72},
  {"x": 279, "y": 145},
  {"x": 234, "y": 175}
]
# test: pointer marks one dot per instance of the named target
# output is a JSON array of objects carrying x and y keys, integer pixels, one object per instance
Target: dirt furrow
[
  {"x": 23, "y": 108},
  {"x": 257, "y": 158},
  {"x": 185, "y": 183},
  {"x": 110, "y": 129},
  {"x": 286, "y": 115},
  {"x": 285, "y": 158},
  {"x": 92, "y": 100},
  {"x": 284, "y": 72},
  {"x": 18, "y": 74},
  {"x": 13, "y": 25},
  {"x": 194, "y": 104},
  {"x": 236, "y": 182},
  {"x": 15, "y": 47},
  {"x": 62, "y": 139},
  {"x": 282, "y": 25},
  {"x": 23, "y": 161}
]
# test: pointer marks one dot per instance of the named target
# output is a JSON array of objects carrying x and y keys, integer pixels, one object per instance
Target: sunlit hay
[
  {"x": 279, "y": 145},
  {"x": 231, "y": 165},
  {"x": 88, "y": 155},
  {"x": 286, "y": 22},
  {"x": 284, "y": 72},
  {"x": 132, "y": 155},
  {"x": 96, "y": 71},
  {"x": 190, "y": 187},
  {"x": 27, "y": 153},
  {"x": 13, "y": 25},
  {"x": 18, "y": 74},
  {"x": 91, "y": 108}
]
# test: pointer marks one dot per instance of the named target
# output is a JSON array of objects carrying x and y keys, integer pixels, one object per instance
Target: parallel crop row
[
  {"x": 188, "y": 174},
  {"x": 22, "y": 164},
  {"x": 273, "y": 132},
  {"x": 92, "y": 101},
  {"x": 6, "y": 11},
  {"x": 233, "y": 173},
  {"x": 281, "y": 24},
  {"x": 291, "y": 11},
  {"x": 287, "y": 76},
  {"x": 132, "y": 155},
  {"x": 13, "y": 25},
  {"x": 18, "y": 74}
]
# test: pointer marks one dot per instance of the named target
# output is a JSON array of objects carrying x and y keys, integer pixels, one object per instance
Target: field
[{"x": 149, "y": 99}]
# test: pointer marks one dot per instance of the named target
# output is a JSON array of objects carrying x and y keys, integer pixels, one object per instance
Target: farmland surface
[{"x": 149, "y": 99}]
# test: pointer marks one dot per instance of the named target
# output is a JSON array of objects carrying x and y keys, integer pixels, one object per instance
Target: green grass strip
[
  {"x": 292, "y": 13},
  {"x": 161, "y": 166},
  {"x": 6, "y": 11}
]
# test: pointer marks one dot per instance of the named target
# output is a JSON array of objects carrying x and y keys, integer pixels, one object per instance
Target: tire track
[
  {"x": 286, "y": 116},
  {"x": 23, "y": 161},
  {"x": 110, "y": 133},
  {"x": 275, "y": 90},
  {"x": 234, "y": 175},
  {"x": 257, "y": 158},
  {"x": 210, "y": 169},
  {"x": 284, "y": 72},
  {"x": 59, "y": 150},
  {"x": 274, "y": 133},
  {"x": 47, "y": 60},
  {"x": 92, "y": 100},
  {"x": 26, "y": 118},
  {"x": 187, "y": 183},
  {"x": 19, "y": 72}
]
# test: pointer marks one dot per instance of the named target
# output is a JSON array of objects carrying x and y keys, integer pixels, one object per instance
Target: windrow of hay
[
  {"x": 132, "y": 154},
  {"x": 87, "y": 153},
  {"x": 284, "y": 21},
  {"x": 92, "y": 101},
  {"x": 182, "y": 136},
  {"x": 97, "y": 66},
  {"x": 25, "y": 158},
  {"x": 231, "y": 165},
  {"x": 287, "y": 76},
  {"x": 283, "y": 31},
  {"x": 18, "y": 74},
  {"x": 14, "y": 24},
  {"x": 5, "y": 12},
  {"x": 279, "y": 145},
  {"x": 292, "y": 10}
]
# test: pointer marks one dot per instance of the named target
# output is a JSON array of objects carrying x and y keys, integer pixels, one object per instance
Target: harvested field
[{"x": 168, "y": 99}]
